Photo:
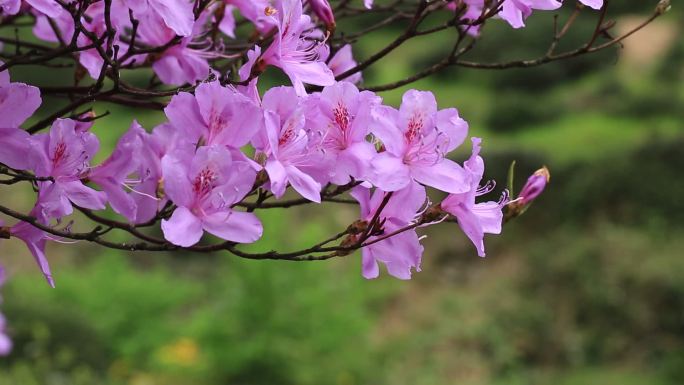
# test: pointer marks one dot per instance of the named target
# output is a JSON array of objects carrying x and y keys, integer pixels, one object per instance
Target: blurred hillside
[{"x": 586, "y": 288}]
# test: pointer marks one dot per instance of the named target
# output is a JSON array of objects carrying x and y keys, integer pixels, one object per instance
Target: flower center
[
  {"x": 204, "y": 181},
  {"x": 415, "y": 125},
  {"x": 60, "y": 153},
  {"x": 287, "y": 134}
]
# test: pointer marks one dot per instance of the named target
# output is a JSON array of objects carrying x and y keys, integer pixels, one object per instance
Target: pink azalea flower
[
  {"x": 147, "y": 193},
  {"x": 181, "y": 63},
  {"x": 288, "y": 147},
  {"x": 15, "y": 148},
  {"x": 516, "y": 11},
  {"x": 95, "y": 23},
  {"x": 472, "y": 12},
  {"x": 204, "y": 186},
  {"x": 112, "y": 174},
  {"x": 227, "y": 24},
  {"x": 10, "y": 7},
  {"x": 322, "y": 10},
  {"x": 64, "y": 154},
  {"x": 50, "y": 8},
  {"x": 341, "y": 117},
  {"x": 596, "y": 4},
  {"x": 416, "y": 139},
  {"x": 254, "y": 11},
  {"x": 178, "y": 15},
  {"x": 476, "y": 219},
  {"x": 293, "y": 52},
  {"x": 46, "y": 10},
  {"x": 35, "y": 239},
  {"x": 215, "y": 115},
  {"x": 368, "y": 3},
  {"x": 400, "y": 253},
  {"x": 18, "y": 101},
  {"x": 342, "y": 61}
]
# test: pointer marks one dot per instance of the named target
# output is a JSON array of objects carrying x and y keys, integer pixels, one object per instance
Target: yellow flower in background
[{"x": 182, "y": 352}]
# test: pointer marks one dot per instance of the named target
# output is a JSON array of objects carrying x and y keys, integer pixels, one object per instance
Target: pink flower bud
[
  {"x": 535, "y": 186},
  {"x": 324, "y": 12}
]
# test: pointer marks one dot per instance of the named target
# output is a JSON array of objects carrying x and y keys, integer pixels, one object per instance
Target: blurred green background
[{"x": 586, "y": 288}]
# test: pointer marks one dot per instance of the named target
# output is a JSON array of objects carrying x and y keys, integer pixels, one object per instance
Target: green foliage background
[{"x": 587, "y": 287}]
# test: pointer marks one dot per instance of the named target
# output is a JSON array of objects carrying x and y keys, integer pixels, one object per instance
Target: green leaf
[{"x": 511, "y": 175}]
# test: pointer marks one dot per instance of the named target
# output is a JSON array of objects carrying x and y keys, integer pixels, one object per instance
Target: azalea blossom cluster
[
  {"x": 195, "y": 166},
  {"x": 182, "y": 31},
  {"x": 514, "y": 12},
  {"x": 192, "y": 173},
  {"x": 228, "y": 149}
]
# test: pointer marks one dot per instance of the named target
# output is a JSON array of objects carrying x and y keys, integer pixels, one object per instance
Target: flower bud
[
  {"x": 358, "y": 227},
  {"x": 663, "y": 6},
  {"x": 433, "y": 214},
  {"x": 324, "y": 12},
  {"x": 535, "y": 186}
]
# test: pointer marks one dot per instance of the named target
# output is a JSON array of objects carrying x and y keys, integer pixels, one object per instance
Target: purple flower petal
[
  {"x": 183, "y": 228},
  {"x": 234, "y": 226}
]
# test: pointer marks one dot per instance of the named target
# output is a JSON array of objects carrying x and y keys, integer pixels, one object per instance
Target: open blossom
[
  {"x": 35, "y": 240},
  {"x": 178, "y": 15},
  {"x": 322, "y": 10},
  {"x": 10, "y": 7},
  {"x": 192, "y": 172},
  {"x": 512, "y": 11},
  {"x": 516, "y": 11},
  {"x": 95, "y": 22},
  {"x": 472, "y": 12},
  {"x": 112, "y": 174},
  {"x": 342, "y": 61},
  {"x": 227, "y": 23},
  {"x": 215, "y": 115},
  {"x": 49, "y": 13},
  {"x": 51, "y": 8},
  {"x": 289, "y": 149},
  {"x": 400, "y": 253},
  {"x": 341, "y": 116},
  {"x": 15, "y": 144},
  {"x": 416, "y": 139},
  {"x": 18, "y": 101},
  {"x": 147, "y": 190},
  {"x": 204, "y": 186},
  {"x": 475, "y": 219},
  {"x": 186, "y": 62},
  {"x": 596, "y": 4},
  {"x": 64, "y": 154},
  {"x": 253, "y": 10},
  {"x": 292, "y": 49}
]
